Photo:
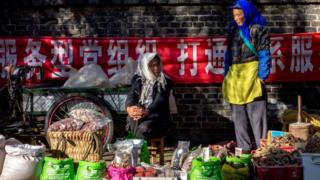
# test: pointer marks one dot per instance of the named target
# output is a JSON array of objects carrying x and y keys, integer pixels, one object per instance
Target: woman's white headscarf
[{"x": 148, "y": 78}]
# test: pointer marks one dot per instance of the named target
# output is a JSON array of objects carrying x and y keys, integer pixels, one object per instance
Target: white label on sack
[{"x": 238, "y": 151}]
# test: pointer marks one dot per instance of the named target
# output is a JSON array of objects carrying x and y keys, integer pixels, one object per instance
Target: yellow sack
[
  {"x": 231, "y": 173},
  {"x": 314, "y": 119}
]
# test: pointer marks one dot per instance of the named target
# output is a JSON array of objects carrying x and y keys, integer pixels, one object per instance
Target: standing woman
[
  {"x": 247, "y": 66},
  {"x": 148, "y": 100}
]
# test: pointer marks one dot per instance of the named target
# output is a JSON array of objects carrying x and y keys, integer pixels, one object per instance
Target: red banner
[{"x": 186, "y": 60}]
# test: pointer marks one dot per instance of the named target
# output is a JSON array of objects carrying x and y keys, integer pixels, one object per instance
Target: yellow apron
[{"x": 242, "y": 85}]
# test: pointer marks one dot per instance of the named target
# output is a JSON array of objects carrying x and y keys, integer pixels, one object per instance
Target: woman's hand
[
  {"x": 263, "y": 83},
  {"x": 136, "y": 112}
]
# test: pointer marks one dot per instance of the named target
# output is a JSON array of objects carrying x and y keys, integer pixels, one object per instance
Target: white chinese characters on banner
[
  {"x": 8, "y": 54},
  {"x": 35, "y": 58},
  {"x": 90, "y": 51},
  {"x": 62, "y": 57},
  {"x": 276, "y": 53},
  {"x": 215, "y": 55},
  {"x": 301, "y": 54},
  {"x": 118, "y": 51},
  {"x": 147, "y": 46},
  {"x": 184, "y": 56}
]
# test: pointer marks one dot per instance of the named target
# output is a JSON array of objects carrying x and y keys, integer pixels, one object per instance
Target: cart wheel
[{"x": 59, "y": 110}]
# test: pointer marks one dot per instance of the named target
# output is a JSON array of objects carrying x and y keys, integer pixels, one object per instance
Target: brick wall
[{"x": 203, "y": 115}]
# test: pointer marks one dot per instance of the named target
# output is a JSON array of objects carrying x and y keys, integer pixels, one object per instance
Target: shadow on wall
[
  {"x": 285, "y": 96},
  {"x": 297, "y": 18},
  {"x": 202, "y": 116}
]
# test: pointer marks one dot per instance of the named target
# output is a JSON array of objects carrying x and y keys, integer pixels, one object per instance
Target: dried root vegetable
[
  {"x": 287, "y": 140},
  {"x": 67, "y": 124},
  {"x": 274, "y": 156},
  {"x": 313, "y": 145}
]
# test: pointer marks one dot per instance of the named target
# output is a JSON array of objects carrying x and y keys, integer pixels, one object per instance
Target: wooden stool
[{"x": 157, "y": 146}]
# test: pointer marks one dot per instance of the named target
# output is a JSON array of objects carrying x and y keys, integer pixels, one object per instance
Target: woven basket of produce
[{"x": 79, "y": 145}]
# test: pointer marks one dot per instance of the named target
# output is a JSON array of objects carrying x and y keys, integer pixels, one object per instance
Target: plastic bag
[
  {"x": 94, "y": 126},
  {"x": 3, "y": 143},
  {"x": 54, "y": 169},
  {"x": 25, "y": 149},
  {"x": 124, "y": 75},
  {"x": 85, "y": 115},
  {"x": 21, "y": 167},
  {"x": 221, "y": 154},
  {"x": 135, "y": 146},
  {"x": 90, "y": 75},
  {"x": 67, "y": 124},
  {"x": 13, "y": 141},
  {"x": 205, "y": 170},
  {"x": 180, "y": 154},
  {"x": 123, "y": 157},
  {"x": 23, "y": 161},
  {"x": 120, "y": 173},
  {"x": 187, "y": 164},
  {"x": 91, "y": 170},
  {"x": 145, "y": 153}
]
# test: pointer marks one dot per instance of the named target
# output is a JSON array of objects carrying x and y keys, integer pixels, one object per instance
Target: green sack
[
  {"x": 54, "y": 169},
  {"x": 91, "y": 170},
  {"x": 243, "y": 160},
  {"x": 144, "y": 154},
  {"x": 209, "y": 170}
]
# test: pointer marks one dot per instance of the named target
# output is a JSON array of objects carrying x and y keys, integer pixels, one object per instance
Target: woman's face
[
  {"x": 238, "y": 16},
  {"x": 155, "y": 68}
]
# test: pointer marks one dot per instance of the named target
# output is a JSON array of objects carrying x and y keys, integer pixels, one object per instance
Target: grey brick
[
  {"x": 198, "y": 24},
  {"x": 186, "y": 18},
  {"x": 164, "y": 24},
  {"x": 186, "y": 24},
  {"x": 206, "y": 18},
  {"x": 165, "y": 18},
  {"x": 174, "y": 24}
]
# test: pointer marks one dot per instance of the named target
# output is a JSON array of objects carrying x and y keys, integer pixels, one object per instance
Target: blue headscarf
[{"x": 251, "y": 15}]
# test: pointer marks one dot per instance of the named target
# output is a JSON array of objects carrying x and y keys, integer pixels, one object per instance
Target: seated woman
[{"x": 147, "y": 103}]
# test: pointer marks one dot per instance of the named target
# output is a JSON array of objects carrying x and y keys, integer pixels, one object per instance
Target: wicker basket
[{"x": 79, "y": 145}]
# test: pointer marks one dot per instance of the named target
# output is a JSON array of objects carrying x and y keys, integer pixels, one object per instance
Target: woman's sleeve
[
  {"x": 227, "y": 62},
  {"x": 264, "y": 53},
  {"x": 162, "y": 97},
  {"x": 133, "y": 94},
  {"x": 227, "y": 55}
]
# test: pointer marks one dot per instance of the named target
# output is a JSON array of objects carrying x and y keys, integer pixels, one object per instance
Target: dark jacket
[
  {"x": 159, "y": 108},
  {"x": 238, "y": 52}
]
